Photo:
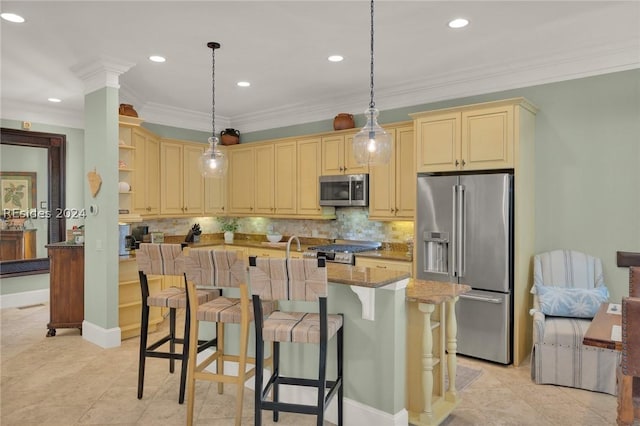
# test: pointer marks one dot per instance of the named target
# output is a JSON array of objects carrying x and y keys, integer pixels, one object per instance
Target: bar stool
[
  {"x": 165, "y": 260},
  {"x": 302, "y": 280},
  {"x": 218, "y": 268}
]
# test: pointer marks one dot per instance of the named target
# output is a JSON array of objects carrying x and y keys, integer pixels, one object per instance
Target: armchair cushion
[{"x": 571, "y": 302}]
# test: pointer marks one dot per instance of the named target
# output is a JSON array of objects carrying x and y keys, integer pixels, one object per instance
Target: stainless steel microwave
[{"x": 344, "y": 190}]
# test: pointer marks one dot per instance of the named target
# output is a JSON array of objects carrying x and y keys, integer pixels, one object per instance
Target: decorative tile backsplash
[{"x": 351, "y": 223}]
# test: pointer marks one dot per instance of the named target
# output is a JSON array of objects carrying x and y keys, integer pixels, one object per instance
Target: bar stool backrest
[
  {"x": 295, "y": 279},
  {"x": 215, "y": 268},
  {"x": 160, "y": 259},
  {"x": 634, "y": 281}
]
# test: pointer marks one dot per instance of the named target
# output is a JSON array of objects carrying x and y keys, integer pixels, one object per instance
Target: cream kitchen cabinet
[
  {"x": 146, "y": 175},
  {"x": 215, "y": 195},
  {"x": 474, "y": 137},
  {"x": 241, "y": 177},
  {"x": 391, "y": 265},
  {"x": 337, "y": 156},
  {"x": 126, "y": 166},
  {"x": 492, "y": 135},
  {"x": 392, "y": 187},
  {"x": 269, "y": 188},
  {"x": 181, "y": 184},
  {"x": 276, "y": 253},
  {"x": 275, "y": 186}
]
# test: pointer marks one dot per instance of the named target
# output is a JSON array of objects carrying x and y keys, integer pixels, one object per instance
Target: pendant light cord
[
  {"x": 372, "y": 103},
  {"x": 213, "y": 91}
]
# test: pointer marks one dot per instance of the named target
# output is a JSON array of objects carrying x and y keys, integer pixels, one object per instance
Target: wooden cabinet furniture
[
  {"x": 391, "y": 265},
  {"x": 271, "y": 252},
  {"x": 16, "y": 245},
  {"x": 66, "y": 286},
  {"x": 215, "y": 196},
  {"x": 241, "y": 177},
  {"x": 129, "y": 299},
  {"x": 392, "y": 187},
  {"x": 337, "y": 155},
  {"x": 492, "y": 135},
  {"x": 126, "y": 164},
  {"x": 146, "y": 173},
  {"x": 431, "y": 350},
  {"x": 474, "y": 137},
  {"x": 181, "y": 184}
]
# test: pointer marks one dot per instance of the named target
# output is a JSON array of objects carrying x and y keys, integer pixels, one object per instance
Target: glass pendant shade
[
  {"x": 213, "y": 163},
  {"x": 372, "y": 144}
]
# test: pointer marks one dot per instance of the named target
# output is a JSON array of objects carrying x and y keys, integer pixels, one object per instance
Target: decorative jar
[{"x": 343, "y": 121}]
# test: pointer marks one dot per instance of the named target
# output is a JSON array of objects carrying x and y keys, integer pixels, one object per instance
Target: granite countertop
[
  {"x": 389, "y": 251},
  {"x": 433, "y": 292},
  {"x": 361, "y": 276}
]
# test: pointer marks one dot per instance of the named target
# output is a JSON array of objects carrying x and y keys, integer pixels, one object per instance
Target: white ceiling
[{"x": 281, "y": 47}]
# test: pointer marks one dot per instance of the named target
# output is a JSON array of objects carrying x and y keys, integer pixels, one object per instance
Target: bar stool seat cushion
[
  {"x": 176, "y": 297},
  {"x": 298, "y": 327},
  {"x": 227, "y": 310}
]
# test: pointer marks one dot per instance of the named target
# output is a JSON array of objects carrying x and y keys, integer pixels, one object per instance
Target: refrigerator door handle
[
  {"x": 454, "y": 236},
  {"x": 481, "y": 299},
  {"x": 460, "y": 242}
]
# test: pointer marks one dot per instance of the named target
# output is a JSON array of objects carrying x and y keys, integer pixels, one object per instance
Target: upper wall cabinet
[
  {"x": 146, "y": 175},
  {"x": 337, "y": 156},
  {"x": 215, "y": 193},
  {"x": 392, "y": 187},
  {"x": 475, "y": 137},
  {"x": 181, "y": 184},
  {"x": 241, "y": 177}
]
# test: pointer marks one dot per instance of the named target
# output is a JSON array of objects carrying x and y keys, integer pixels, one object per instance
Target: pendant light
[
  {"x": 213, "y": 163},
  {"x": 372, "y": 144}
]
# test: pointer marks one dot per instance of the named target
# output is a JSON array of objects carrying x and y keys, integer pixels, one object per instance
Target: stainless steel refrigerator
[{"x": 464, "y": 234}]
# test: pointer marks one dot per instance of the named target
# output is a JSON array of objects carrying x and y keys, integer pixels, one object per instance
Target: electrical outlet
[{"x": 26, "y": 125}]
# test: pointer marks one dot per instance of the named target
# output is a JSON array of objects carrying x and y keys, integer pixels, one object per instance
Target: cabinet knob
[
  {"x": 463, "y": 163},
  {"x": 148, "y": 209},
  {"x": 457, "y": 163}
]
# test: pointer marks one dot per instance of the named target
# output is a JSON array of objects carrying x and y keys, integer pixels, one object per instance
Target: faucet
[{"x": 289, "y": 244}]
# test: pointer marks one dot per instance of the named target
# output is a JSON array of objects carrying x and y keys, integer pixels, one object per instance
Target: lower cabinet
[
  {"x": 130, "y": 299},
  {"x": 392, "y": 265},
  {"x": 270, "y": 252},
  {"x": 66, "y": 286}
]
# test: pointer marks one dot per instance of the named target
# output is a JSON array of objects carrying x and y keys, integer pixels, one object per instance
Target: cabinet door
[
  {"x": 487, "y": 138},
  {"x": 264, "y": 186},
  {"x": 171, "y": 179},
  {"x": 146, "y": 197},
  {"x": 351, "y": 165},
  {"x": 215, "y": 195},
  {"x": 193, "y": 197},
  {"x": 405, "y": 174},
  {"x": 309, "y": 169},
  {"x": 438, "y": 142},
  {"x": 285, "y": 178},
  {"x": 382, "y": 188},
  {"x": 333, "y": 155},
  {"x": 391, "y": 265},
  {"x": 241, "y": 180}
]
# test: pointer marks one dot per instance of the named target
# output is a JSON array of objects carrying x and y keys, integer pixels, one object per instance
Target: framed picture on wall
[{"x": 18, "y": 191}]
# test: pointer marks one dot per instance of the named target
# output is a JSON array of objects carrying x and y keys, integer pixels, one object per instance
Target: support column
[{"x": 101, "y": 79}]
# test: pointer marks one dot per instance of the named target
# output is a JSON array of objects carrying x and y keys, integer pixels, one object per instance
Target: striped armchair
[{"x": 558, "y": 356}]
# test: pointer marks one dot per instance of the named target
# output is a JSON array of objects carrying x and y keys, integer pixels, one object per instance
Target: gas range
[{"x": 342, "y": 251}]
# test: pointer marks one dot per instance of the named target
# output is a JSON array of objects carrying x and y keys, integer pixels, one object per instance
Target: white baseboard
[
  {"x": 355, "y": 413},
  {"x": 24, "y": 298},
  {"x": 105, "y": 338}
]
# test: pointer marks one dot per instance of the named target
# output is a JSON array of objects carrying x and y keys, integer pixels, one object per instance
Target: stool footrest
[
  {"x": 290, "y": 408},
  {"x": 161, "y": 342}
]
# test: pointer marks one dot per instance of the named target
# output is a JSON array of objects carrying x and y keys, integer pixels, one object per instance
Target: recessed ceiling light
[
  {"x": 335, "y": 58},
  {"x": 458, "y": 23},
  {"x": 156, "y": 58},
  {"x": 243, "y": 84},
  {"x": 55, "y": 100},
  {"x": 12, "y": 17}
]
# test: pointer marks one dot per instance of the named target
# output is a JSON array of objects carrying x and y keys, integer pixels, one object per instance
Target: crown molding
[
  {"x": 101, "y": 72},
  {"x": 179, "y": 117}
]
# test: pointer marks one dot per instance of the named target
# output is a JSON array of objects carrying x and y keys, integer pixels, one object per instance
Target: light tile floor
[{"x": 65, "y": 380}]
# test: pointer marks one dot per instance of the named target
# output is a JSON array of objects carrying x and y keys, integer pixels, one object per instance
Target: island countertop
[{"x": 433, "y": 292}]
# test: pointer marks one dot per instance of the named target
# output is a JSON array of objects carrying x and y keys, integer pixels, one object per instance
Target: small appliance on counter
[{"x": 125, "y": 239}]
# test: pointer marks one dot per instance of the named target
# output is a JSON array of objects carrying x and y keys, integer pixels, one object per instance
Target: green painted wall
[
  {"x": 586, "y": 166},
  {"x": 587, "y": 157}
]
